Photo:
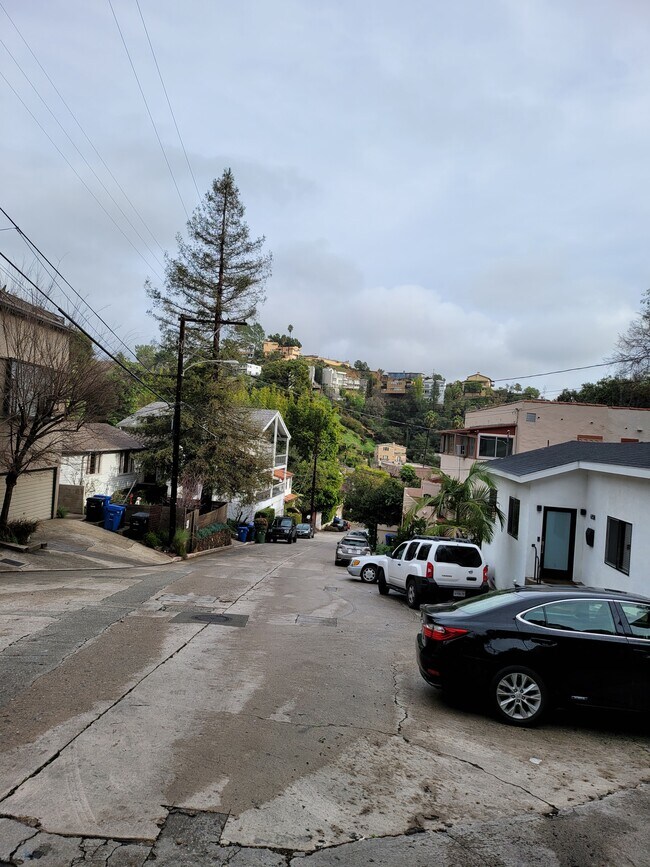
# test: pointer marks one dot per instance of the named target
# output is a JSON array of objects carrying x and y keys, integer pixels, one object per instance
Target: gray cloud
[{"x": 455, "y": 187}]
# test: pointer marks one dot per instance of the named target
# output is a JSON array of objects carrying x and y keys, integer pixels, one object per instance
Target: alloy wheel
[{"x": 519, "y": 696}]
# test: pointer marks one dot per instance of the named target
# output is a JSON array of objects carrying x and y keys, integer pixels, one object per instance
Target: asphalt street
[{"x": 258, "y": 706}]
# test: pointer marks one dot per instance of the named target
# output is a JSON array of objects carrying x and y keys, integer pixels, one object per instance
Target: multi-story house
[
  {"x": 477, "y": 385},
  {"x": 391, "y": 453},
  {"x": 510, "y": 429},
  {"x": 97, "y": 459},
  {"x": 398, "y": 383},
  {"x": 287, "y": 352},
  {"x": 335, "y": 379},
  {"x": 31, "y": 340}
]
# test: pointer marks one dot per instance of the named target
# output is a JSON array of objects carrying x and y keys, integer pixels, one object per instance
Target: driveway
[
  {"x": 258, "y": 706},
  {"x": 75, "y": 544}
]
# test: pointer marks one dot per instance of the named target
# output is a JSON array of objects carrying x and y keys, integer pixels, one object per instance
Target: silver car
[{"x": 349, "y": 547}]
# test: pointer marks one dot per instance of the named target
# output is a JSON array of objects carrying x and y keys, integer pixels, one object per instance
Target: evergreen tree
[{"x": 218, "y": 273}]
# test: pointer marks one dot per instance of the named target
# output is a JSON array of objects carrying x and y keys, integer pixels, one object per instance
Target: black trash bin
[
  {"x": 139, "y": 524},
  {"x": 95, "y": 508}
]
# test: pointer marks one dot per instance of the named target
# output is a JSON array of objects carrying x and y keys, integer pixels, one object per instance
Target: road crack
[{"x": 398, "y": 704}]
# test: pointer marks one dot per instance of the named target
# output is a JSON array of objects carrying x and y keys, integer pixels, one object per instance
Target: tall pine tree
[{"x": 218, "y": 273}]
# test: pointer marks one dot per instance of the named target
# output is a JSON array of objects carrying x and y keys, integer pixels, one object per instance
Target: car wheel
[
  {"x": 369, "y": 574},
  {"x": 412, "y": 594},
  {"x": 381, "y": 583},
  {"x": 519, "y": 695}
]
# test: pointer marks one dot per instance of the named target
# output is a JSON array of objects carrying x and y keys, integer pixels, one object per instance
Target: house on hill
[{"x": 514, "y": 428}]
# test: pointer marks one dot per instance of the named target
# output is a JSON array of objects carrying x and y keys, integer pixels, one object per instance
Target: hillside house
[{"x": 514, "y": 428}]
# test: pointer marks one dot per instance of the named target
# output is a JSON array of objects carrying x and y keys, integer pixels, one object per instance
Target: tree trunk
[
  {"x": 10, "y": 481},
  {"x": 218, "y": 309}
]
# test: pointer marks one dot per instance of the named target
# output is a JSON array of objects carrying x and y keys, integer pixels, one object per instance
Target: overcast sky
[{"x": 444, "y": 186}]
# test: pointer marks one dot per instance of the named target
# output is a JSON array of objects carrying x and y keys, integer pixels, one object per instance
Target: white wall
[
  {"x": 627, "y": 498},
  {"x": 106, "y": 481}
]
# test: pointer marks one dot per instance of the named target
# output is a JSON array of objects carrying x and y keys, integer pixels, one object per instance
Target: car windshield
[
  {"x": 285, "y": 522},
  {"x": 303, "y": 526}
]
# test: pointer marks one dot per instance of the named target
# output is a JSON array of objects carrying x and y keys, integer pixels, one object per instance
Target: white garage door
[{"x": 32, "y": 497}]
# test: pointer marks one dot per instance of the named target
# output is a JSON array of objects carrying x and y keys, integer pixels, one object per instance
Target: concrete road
[{"x": 258, "y": 706}]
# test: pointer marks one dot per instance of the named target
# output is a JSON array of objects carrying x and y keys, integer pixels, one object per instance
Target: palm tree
[{"x": 462, "y": 507}]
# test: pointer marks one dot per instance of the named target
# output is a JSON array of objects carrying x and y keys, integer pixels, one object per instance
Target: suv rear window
[{"x": 461, "y": 555}]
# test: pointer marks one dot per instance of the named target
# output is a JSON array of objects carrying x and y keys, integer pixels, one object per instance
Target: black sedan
[
  {"x": 532, "y": 648},
  {"x": 304, "y": 531}
]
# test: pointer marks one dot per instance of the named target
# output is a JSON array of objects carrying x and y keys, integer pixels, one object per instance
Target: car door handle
[{"x": 545, "y": 642}]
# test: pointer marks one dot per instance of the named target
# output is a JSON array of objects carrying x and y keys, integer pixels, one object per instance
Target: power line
[
  {"x": 153, "y": 122},
  {"x": 171, "y": 110},
  {"x": 83, "y": 131},
  {"x": 565, "y": 370},
  {"x": 101, "y": 205},
  {"x": 42, "y": 256},
  {"x": 83, "y": 157}
]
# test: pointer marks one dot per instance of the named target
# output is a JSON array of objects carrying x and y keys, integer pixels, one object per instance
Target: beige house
[
  {"x": 287, "y": 352},
  {"x": 510, "y": 429},
  {"x": 477, "y": 384},
  {"x": 31, "y": 339},
  {"x": 391, "y": 453}
]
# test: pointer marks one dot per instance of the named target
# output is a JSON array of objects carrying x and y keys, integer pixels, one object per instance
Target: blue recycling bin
[
  {"x": 242, "y": 533},
  {"x": 251, "y": 532},
  {"x": 113, "y": 516},
  {"x": 391, "y": 538}
]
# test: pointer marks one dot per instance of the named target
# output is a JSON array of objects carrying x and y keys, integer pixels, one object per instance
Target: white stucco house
[
  {"x": 98, "y": 459},
  {"x": 575, "y": 512}
]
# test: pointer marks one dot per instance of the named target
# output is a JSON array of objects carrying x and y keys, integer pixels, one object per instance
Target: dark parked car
[
  {"x": 304, "y": 531},
  {"x": 531, "y": 648},
  {"x": 282, "y": 530}
]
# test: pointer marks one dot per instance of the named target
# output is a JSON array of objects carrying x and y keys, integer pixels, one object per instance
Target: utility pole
[
  {"x": 176, "y": 428},
  {"x": 426, "y": 447},
  {"x": 312, "y": 506}
]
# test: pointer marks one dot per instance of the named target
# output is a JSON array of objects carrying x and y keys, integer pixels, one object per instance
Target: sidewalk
[{"x": 75, "y": 544}]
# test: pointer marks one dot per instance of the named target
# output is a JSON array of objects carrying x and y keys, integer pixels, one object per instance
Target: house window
[
  {"x": 513, "y": 517},
  {"x": 531, "y": 416},
  {"x": 494, "y": 447},
  {"x": 618, "y": 545},
  {"x": 94, "y": 461},
  {"x": 126, "y": 462}
]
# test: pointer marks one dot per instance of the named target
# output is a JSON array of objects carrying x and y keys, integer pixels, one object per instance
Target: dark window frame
[
  {"x": 514, "y": 509},
  {"x": 618, "y": 551}
]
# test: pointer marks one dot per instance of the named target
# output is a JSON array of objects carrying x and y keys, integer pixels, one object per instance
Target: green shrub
[
  {"x": 151, "y": 540},
  {"x": 62, "y": 512},
  {"x": 210, "y": 529},
  {"x": 383, "y": 549},
  {"x": 19, "y": 531},
  {"x": 179, "y": 543},
  {"x": 268, "y": 513}
]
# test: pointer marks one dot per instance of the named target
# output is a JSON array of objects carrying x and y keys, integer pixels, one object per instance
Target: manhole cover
[
  {"x": 213, "y": 619},
  {"x": 12, "y": 562},
  {"x": 312, "y": 620}
]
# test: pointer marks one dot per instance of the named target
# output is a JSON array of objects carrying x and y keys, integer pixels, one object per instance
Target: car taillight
[
  {"x": 485, "y": 574},
  {"x": 429, "y": 570},
  {"x": 441, "y": 633}
]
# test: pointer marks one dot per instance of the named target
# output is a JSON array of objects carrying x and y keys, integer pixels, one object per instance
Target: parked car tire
[
  {"x": 369, "y": 573},
  {"x": 519, "y": 696},
  {"x": 412, "y": 594},
  {"x": 381, "y": 583}
]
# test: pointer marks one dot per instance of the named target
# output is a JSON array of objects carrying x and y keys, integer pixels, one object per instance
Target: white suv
[{"x": 426, "y": 568}]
